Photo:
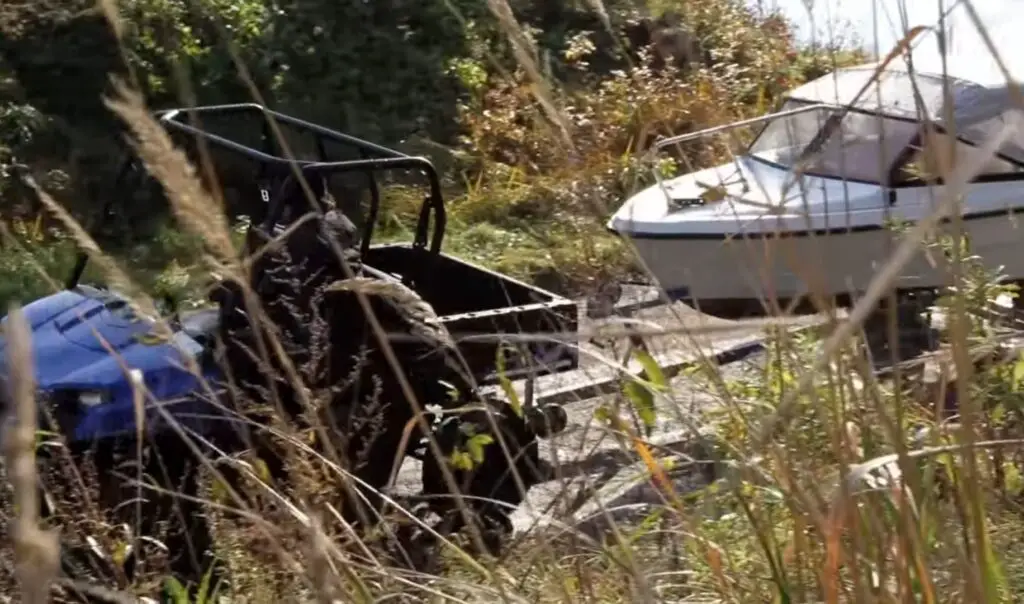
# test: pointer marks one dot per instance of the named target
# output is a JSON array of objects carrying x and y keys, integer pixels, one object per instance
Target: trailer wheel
[
  {"x": 547, "y": 421},
  {"x": 601, "y": 303}
]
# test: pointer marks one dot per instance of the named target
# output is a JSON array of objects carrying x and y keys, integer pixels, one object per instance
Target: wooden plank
[
  {"x": 617, "y": 483},
  {"x": 602, "y": 379}
]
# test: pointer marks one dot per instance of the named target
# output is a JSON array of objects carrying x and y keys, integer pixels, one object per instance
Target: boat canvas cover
[
  {"x": 974, "y": 110},
  {"x": 980, "y": 96}
]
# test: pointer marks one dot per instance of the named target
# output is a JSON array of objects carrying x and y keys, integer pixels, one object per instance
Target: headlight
[{"x": 88, "y": 399}]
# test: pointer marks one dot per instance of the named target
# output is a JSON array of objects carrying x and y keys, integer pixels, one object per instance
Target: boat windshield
[{"x": 855, "y": 146}]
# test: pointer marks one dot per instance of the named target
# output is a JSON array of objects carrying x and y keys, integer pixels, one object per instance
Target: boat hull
[{"x": 735, "y": 275}]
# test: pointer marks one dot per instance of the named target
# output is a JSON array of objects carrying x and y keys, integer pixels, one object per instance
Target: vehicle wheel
[
  {"x": 547, "y": 421},
  {"x": 601, "y": 303}
]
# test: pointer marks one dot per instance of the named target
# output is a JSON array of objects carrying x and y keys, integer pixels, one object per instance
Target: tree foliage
[{"x": 436, "y": 77}]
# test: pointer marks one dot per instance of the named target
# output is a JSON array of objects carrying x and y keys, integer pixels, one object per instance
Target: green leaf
[
  {"x": 120, "y": 553},
  {"x": 262, "y": 470},
  {"x": 476, "y": 445},
  {"x": 218, "y": 491},
  {"x": 647, "y": 526},
  {"x": 506, "y": 384},
  {"x": 643, "y": 401},
  {"x": 651, "y": 368},
  {"x": 44, "y": 437},
  {"x": 1014, "y": 480},
  {"x": 177, "y": 591},
  {"x": 206, "y": 591},
  {"x": 603, "y": 414},
  {"x": 1018, "y": 373},
  {"x": 461, "y": 460},
  {"x": 992, "y": 570}
]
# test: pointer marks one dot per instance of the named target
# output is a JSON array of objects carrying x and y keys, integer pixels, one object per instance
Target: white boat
[{"x": 757, "y": 229}]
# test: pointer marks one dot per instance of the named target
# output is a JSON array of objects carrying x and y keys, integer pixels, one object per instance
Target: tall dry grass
[{"x": 797, "y": 512}]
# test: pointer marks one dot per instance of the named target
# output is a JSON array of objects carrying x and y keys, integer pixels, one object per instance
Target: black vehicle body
[
  {"x": 476, "y": 304},
  {"x": 483, "y": 310}
]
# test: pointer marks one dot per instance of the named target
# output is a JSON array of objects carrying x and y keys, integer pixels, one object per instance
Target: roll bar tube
[
  {"x": 433, "y": 204},
  {"x": 387, "y": 160},
  {"x": 374, "y": 158},
  {"x": 173, "y": 116}
]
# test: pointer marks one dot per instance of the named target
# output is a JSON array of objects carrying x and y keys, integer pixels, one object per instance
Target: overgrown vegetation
[
  {"x": 866, "y": 491},
  {"x": 858, "y": 497},
  {"x": 526, "y": 192}
]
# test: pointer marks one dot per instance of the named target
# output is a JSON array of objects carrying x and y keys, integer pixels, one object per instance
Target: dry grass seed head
[
  {"x": 36, "y": 551},
  {"x": 195, "y": 209}
]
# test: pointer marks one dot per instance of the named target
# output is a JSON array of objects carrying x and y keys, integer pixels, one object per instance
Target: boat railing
[{"x": 660, "y": 144}]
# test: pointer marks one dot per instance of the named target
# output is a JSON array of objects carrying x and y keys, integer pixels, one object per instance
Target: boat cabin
[{"x": 847, "y": 154}]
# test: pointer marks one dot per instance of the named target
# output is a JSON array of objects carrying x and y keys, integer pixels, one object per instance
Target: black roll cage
[{"x": 374, "y": 159}]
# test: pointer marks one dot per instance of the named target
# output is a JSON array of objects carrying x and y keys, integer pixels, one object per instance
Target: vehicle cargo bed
[{"x": 478, "y": 305}]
